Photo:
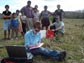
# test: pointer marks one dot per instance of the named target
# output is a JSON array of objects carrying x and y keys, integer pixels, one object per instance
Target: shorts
[
  {"x": 6, "y": 24},
  {"x": 45, "y": 22}
]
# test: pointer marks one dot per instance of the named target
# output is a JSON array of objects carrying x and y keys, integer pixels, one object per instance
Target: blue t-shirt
[
  {"x": 14, "y": 22},
  {"x": 31, "y": 38}
]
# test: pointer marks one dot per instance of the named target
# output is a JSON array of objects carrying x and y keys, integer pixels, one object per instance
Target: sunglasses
[{"x": 37, "y": 30}]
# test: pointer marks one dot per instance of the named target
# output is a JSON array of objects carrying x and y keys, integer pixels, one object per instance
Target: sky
[{"x": 66, "y": 5}]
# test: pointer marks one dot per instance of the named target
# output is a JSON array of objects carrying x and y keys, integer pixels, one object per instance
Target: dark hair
[
  {"x": 6, "y": 6},
  {"x": 13, "y": 14},
  {"x": 29, "y": 2},
  {"x": 45, "y": 6},
  {"x": 58, "y": 5},
  {"x": 57, "y": 17},
  {"x": 17, "y": 11},
  {"x": 36, "y": 6},
  {"x": 37, "y": 25}
]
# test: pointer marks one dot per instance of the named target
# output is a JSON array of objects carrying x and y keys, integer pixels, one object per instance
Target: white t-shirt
[
  {"x": 43, "y": 33},
  {"x": 23, "y": 18},
  {"x": 58, "y": 24},
  {"x": 36, "y": 16}
]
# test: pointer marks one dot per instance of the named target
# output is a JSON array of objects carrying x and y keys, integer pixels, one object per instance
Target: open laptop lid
[{"x": 16, "y": 51}]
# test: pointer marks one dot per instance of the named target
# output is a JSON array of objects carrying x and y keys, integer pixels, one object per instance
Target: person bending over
[{"x": 58, "y": 26}]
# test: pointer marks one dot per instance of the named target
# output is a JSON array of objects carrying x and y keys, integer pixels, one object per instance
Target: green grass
[{"x": 72, "y": 42}]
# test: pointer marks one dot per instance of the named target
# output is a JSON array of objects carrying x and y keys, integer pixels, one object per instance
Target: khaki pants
[{"x": 29, "y": 23}]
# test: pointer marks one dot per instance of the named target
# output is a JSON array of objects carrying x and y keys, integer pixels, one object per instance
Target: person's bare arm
[
  {"x": 5, "y": 16},
  {"x": 58, "y": 28},
  {"x": 50, "y": 13}
]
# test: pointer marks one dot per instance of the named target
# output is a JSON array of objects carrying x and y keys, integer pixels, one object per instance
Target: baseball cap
[{"x": 57, "y": 17}]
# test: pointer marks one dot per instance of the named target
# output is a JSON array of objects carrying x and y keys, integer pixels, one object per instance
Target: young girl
[
  {"x": 23, "y": 19},
  {"x": 36, "y": 14},
  {"x": 14, "y": 24},
  {"x": 20, "y": 24}
]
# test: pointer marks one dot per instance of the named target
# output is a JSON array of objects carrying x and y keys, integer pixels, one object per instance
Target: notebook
[{"x": 39, "y": 45}]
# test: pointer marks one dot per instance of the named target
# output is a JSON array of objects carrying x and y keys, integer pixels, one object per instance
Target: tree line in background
[{"x": 74, "y": 14}]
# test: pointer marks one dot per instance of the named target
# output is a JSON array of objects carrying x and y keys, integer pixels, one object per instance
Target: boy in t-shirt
[
  {"x": 14, "y": 24},
  {"x": 6, "y": 17}
]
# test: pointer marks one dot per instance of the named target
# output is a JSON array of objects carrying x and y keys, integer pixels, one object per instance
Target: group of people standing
[
  {"x": 28, "y": 23},
  {"x": 11, "y": 24},
  {"x": 28, "y": 17}
]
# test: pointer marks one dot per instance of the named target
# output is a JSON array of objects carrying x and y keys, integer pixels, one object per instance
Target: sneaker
[{"x": 62, "y": 56}]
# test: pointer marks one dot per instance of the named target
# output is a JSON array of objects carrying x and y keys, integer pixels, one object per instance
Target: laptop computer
[{"x": 16, "y": 51}]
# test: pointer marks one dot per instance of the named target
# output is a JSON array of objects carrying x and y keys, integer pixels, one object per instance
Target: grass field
[{"x": 72, "y": 42}]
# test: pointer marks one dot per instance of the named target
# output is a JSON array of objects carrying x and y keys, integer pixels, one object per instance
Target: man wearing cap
[
  {"x": 28, "y": 12},
  {"x": 59, "y": 26}
]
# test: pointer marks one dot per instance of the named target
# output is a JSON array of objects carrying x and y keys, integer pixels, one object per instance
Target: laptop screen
[{"x": 16, "y": 51}]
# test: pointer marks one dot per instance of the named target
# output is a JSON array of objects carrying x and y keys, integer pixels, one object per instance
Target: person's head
[
  {"x": 17, "y": 12},
  {"x": 7, "y": 7},
  {"x": 57, "y": 18},
  {"x": 36, "y": 6},
  {"x": 45, "y": 7},
  {"x": 58, "y": 6},
  {"x": 14, "y": 15},
  {"x": 35, "y": 9},
  {"x": 37, "y": 27},
  {"x": 28, "y": 3}
]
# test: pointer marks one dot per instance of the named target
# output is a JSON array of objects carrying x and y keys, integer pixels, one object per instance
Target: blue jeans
[
  {"x": 43, "y": 51},
  {"x": 7, "y": 24}
]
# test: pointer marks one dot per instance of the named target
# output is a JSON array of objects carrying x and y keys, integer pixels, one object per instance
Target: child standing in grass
[
  {"x": 14, "y": 25},
  {"x": 6, "y": 17},
  {"x": 20, "y": 24},
  {"x": 36, "y": 14}
]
